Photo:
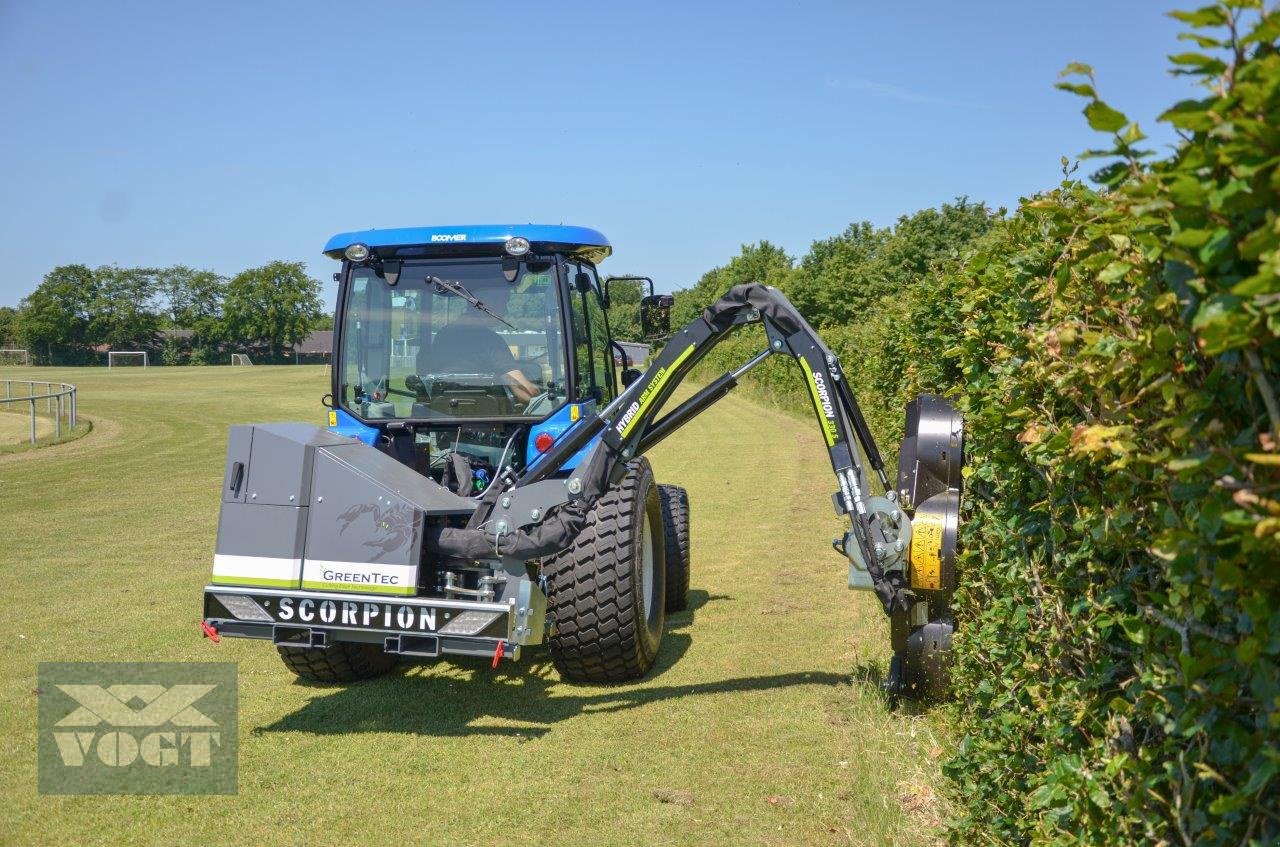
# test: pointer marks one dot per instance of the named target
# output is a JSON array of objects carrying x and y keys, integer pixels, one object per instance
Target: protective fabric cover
[
  {"x": 721, "y": 313},
  {"x": 554, "y": 534},
  {"x": 457, "y": 474}
]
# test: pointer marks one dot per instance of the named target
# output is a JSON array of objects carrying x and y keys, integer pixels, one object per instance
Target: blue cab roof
[{"x": 448, "y": 240}]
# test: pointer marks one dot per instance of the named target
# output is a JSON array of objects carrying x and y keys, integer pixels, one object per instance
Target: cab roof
[{"x": 474, "y": 239}]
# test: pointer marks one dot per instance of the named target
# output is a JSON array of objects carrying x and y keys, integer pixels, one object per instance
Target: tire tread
[
  {"x": 592, "y": 594},
  {"x": 339, "y": 662},
  {"x": 675, "y": 523}
]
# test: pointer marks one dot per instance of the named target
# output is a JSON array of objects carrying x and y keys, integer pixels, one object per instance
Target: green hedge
[{"x": 1115, "y": 352}]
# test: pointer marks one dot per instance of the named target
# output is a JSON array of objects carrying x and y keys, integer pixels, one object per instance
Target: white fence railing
[{"x": 59, "y": 402}]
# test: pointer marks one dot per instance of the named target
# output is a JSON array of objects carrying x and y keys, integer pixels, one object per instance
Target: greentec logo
[{"x": 137, "y": 728}]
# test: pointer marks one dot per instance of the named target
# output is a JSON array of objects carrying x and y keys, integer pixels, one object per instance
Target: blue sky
[{"x": 224, "y": 135}]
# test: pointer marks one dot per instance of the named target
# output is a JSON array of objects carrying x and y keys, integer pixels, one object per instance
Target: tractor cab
[{"x": 463, "y": 351}]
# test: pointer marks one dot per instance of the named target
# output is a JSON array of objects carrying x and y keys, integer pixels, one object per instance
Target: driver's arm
[
  {"x": 521, "y": 387},
  {"x": 504, "y": 364}
]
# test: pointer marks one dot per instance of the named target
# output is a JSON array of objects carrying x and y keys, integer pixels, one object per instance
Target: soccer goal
[
  {"x": 113, "y": 355},
  {"x": 15, "y": 356},
  {"x": 241, "y": 359}
]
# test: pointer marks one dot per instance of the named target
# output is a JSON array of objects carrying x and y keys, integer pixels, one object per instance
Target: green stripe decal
[
  {"x": 223, "y": 579},
  {"x": 824, "y": 408},
  {"x": 358, "y": 589},
  {"x": 652, "y": 390}
]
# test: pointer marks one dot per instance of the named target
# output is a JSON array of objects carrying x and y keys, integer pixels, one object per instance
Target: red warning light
[{"x": 543, "y": 441}]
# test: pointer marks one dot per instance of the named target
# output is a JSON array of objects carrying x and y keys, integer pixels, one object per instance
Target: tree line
[
  {"x": 842, "y": 278},
  {"x": 178, "y": 314}
]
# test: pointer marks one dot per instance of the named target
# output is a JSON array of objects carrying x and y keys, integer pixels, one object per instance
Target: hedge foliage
[{"x": 1116, "y": 353}]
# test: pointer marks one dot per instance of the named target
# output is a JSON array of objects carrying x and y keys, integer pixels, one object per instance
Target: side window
[
  {"x": 590, "y": 338},
  {"x": 598, "y": 329},
  {"x": 534, "y": 310}
]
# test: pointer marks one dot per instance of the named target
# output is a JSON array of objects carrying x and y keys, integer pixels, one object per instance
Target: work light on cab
[
  {"x": 517, "y": 246},
  {"x": 357, "y": 252}
]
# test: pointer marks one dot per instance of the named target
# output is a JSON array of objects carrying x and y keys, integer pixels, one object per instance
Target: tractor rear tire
[
  {"x": 606, "y": 592},
  {"x": 340, "y": 662},
  {"x": 675, "y": 522}
]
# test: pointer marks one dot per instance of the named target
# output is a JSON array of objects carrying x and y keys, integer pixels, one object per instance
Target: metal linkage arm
[
  {"x": 538, "y": 515},
  {"x": 630, "y": 424}
]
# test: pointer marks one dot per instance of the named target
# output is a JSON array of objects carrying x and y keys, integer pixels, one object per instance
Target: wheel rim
[{"x": 647, "y": 570}]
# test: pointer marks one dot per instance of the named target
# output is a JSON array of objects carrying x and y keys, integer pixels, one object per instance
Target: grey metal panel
[
  {"x": 394, "y": 478},
  {"x": 280, "y": 466},
  {"x": 355, "y": 518},
  {"x": 239, "y": 442},
  {"x": 246, "y": 529}
]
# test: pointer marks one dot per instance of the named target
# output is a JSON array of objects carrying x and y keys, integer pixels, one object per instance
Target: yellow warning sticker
[
  {"x": 926, "y": 551},
  {"x": 333, "y": 419}
]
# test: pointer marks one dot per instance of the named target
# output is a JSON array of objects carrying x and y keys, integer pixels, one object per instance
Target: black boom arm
[{"x": 630, "y": 425}]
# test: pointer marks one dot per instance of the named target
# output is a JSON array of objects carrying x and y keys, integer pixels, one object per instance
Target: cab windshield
[{"x": 420, "y": 350}]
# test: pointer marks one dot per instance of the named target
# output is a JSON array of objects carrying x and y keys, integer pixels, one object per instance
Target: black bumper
[{"x": 416, "y": 627}]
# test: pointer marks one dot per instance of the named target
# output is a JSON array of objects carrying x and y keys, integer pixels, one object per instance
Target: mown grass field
[
  {"x": 762, "y": 724},
  {"x": 15, "y": 427}
]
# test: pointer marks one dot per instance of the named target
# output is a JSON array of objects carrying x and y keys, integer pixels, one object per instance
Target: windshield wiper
[{"x": 461, "y": 290}]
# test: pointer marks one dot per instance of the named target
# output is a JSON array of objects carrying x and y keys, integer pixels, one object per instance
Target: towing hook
[{"x": 210, "y": 632}]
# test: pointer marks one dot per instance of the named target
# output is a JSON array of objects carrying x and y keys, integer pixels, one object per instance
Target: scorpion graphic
[{"x": 394, "y": 526}]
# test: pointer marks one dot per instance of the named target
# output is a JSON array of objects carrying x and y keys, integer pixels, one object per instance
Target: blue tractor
[{"x": 481, "y": 485}]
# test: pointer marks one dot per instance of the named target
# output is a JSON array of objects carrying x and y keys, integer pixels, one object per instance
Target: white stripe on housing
[{"x": 257, "y": 567}]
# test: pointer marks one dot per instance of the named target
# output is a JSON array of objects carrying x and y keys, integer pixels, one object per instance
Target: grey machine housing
[{"x": 316, "y": 506}]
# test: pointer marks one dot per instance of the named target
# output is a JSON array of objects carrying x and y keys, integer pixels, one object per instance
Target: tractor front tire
[
  {"x": 675, "y": 523},
  {"x": 340, "y": 662},
  {"x": 607, "y": 591}
]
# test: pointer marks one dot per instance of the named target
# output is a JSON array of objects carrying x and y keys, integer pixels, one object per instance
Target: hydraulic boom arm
[{"x": 535, "y": 514}]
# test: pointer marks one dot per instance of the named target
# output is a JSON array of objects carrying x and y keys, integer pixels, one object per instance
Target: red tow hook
[
  {"x": 497, "y": 653},
  {"x": 210, "y": 632}
]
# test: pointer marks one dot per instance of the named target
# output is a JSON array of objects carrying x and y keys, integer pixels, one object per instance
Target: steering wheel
[{"x": 539, "y": 404}]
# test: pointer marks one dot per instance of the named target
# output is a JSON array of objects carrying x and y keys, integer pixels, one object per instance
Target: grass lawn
[
  {"x": 15, "y": 426},
  {"x": 762, "y": 724}
]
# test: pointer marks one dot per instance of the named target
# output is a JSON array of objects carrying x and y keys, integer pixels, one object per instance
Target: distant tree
[
  {"x": 274, "y": 306},
  {"x": 58, "y": 312},
  {"x": 762, "y": 262},
  {"x": 8, "y": 326},
  {"x": 124, "y": 312},
  {"x": 325, "y": 321},
  {"x": 842, "y": 277},
  {"x": 194, "y": 300},
  {"x": 624, "y": 310}
]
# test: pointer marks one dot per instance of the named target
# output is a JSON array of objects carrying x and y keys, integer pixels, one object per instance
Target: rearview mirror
[
  {"x": 655, "y": 315},
  {"x": 389, "y": 270}
]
